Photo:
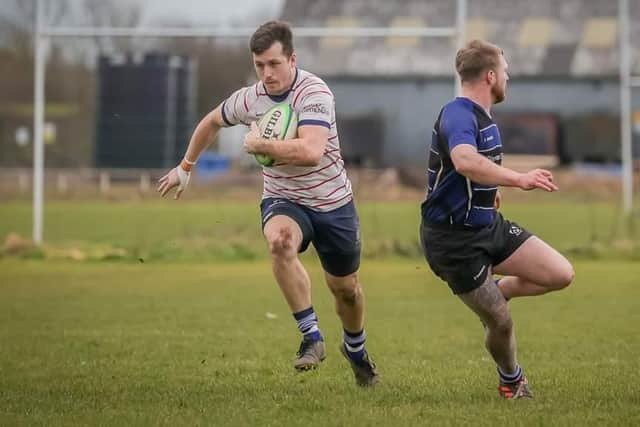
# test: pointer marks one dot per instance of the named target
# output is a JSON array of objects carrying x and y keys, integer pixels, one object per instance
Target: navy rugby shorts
[
  {"x": 335, "y": 234},
  {"x": 462, "y": 257}
]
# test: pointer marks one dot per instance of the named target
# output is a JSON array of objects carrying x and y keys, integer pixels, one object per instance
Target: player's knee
[
  {"x": 504, "y": 326},
  {"x": 351, "y": 295},
  {"x": 563, "y": 277},
  {"x": 347, "y": 290},
  {"x": 501, "y": 323},
  {"x": 281, "y": 244},
  {"x": 566, "y": 278}
]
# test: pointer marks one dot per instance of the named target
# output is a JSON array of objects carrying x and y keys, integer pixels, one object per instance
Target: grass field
[
  {"x": 203, "y": 231},
  {"x": 189, "y": 337}
]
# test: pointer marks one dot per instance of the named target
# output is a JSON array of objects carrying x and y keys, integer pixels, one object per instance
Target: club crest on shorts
[{"x": 515, "y": 230}]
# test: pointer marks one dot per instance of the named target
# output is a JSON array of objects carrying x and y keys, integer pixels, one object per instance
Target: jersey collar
[
  {"x": 475, "y": 104},
  {"x": 282, "y": 97}
]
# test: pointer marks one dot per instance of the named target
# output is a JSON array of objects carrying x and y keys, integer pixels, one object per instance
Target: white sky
[
  {"x": 210, "y": 12},
  {"x": 194, "y": 12}
]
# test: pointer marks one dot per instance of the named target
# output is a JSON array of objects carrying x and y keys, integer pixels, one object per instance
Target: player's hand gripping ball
[{"x": 278, "y": 124}]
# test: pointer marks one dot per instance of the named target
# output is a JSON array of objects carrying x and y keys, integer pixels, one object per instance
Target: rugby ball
[{"x": 279, "y": 123}]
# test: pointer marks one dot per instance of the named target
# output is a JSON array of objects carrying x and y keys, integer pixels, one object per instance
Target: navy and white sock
[
  {"x": 511, "y": 378},
  {"x": 308, "y": 324},
  {"x": 354, "y": 344}
]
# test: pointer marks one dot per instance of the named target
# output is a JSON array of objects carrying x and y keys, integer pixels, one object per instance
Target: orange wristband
[{"x": 186, "y": 165}]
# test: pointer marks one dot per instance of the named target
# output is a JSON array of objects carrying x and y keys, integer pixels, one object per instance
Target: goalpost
[
  {"x": 44, "y": 34},
  {"x": 627, "y": 83}
]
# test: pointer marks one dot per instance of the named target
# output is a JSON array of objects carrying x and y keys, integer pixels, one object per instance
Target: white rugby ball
[{"x": 279, "y": 123}]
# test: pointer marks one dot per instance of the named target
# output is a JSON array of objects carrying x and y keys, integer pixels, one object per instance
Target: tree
[{"x": 70, "y": 80}]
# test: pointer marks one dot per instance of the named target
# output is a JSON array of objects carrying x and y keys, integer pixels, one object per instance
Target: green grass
[
  {"x": 184, "y": 337},
  {"x": 190, "y": 344},
  {"x": 202, "y": 231}
]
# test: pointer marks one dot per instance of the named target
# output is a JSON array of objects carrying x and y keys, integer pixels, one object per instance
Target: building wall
[{"x": 410, "y": 107}]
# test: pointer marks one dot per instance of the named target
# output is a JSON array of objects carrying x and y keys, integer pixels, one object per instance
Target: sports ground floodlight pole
[
  {"x": 44, "y": 33},
  {"x": 40, "y": 42},
  {"x": 625, "y": 107},
  {"x": 461, "y": 20}
]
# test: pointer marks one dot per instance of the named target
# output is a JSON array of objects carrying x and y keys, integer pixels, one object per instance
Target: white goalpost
[
  {"x": 44, "y": 34},
  {"x": 627, "y": 83}
]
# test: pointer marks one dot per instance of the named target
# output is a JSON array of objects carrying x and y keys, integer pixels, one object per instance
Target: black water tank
[{"x": 146, "y": 110}]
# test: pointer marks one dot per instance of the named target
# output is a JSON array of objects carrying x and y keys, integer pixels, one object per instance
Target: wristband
[{"x": 186, "y": 165}]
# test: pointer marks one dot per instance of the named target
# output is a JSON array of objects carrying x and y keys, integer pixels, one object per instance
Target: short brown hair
[
  {"x": 475, "y": 58},
  {"x": 269, "y": 33}
]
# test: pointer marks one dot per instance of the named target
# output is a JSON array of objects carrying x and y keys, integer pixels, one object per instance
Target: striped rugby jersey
[
  {"x": 451, "y": 197},
  {"x": 323, "y": 187}
]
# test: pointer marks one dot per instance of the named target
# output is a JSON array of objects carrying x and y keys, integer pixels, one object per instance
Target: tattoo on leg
[
  {"x": 489, "y": 304},
  {"x": 486, "y": 301}
]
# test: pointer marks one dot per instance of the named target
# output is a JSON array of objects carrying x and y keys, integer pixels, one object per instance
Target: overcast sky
[
  {"x": 194, "y": 12},
  {"x": 154, "y": 13},
  {"x": 209, "y": 12}
]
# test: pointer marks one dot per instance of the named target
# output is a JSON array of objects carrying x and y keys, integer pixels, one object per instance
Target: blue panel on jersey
[{"x": 452, "y": 198}]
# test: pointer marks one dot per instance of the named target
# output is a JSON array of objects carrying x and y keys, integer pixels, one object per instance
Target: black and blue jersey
[{"x": 451, "y": 197}]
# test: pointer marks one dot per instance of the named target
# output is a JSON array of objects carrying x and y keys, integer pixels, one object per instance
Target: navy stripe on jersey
[
  {"x": 451, "y": 197},
  {"x": 314, "y": 122},
  {"x": 224, "y": 115}
]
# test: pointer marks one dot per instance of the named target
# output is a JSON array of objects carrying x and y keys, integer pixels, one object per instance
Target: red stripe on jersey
[
  {"x": 339, "y": 188},
  {"x": 309, "y": 85},
  {"x": 295, "y": 199},
  {"x": 301, "y": 175},
  {"x": 332, "y": 202},
  {"x": 278, "y": 192},
  {"x": 270, "y": 191},
  {"x": 315, "y": 185},
  {"x": 332, "y": 138},
  {"x": 246, "y": 107},
  {"x": 258, "y": 91},
  {"x": 307, "y": 94},
  {"x": 334, "y": 158},
  {"x": 300, "y": 84}
]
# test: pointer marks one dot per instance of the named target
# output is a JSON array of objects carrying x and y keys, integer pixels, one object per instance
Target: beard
[{"x": 498, "y": 93}]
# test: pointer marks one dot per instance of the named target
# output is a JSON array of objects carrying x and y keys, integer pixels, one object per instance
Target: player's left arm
[
  {"x": 314, "y": 108},
  {"x": 477, "y": 168},
  {"x": 305, "y": 150}
]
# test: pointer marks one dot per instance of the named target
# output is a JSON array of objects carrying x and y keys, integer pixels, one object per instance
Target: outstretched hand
[
  {"x": 176, "y": 177},
  {"x": 537, "y": 178}
]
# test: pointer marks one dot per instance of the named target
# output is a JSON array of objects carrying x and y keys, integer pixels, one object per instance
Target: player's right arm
[
  {"x": 205, "y": 133},
  {"x": 202, "y": 137}
]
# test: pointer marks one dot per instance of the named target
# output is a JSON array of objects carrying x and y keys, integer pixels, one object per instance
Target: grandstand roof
[{"x": 576, "y": 38}]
